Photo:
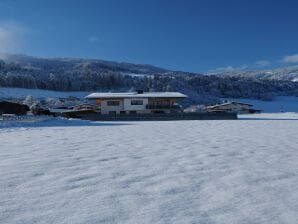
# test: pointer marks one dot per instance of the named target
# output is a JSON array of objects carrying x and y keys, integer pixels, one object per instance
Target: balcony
[{"x": 161, "y": 107}]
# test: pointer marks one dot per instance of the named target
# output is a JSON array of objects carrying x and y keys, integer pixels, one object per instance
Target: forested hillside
[{"x": 91, "y": 75}]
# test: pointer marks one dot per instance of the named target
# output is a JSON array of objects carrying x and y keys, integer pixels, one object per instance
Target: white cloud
[
  {"x": 11, "y": 37},
  {"x": 263, "y": 63},
  {"x": 93, "y": 39},
  {"x": 228, "y": 69},
  {"x": 290, "y": 59}
]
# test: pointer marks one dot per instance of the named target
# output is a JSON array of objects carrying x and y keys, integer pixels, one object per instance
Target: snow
[
  {"x": 139, "y": 75},
  {"x": 21, "y": 93},
  {"x": 135, "y": 94},
  {"x": 72, "y": 171},
  {"x": 278, "y": 104}
]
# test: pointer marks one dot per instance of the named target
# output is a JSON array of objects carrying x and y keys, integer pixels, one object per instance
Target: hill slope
[
  {"x": 282, "y": 74},
  {"x": 68, "y": 74}
]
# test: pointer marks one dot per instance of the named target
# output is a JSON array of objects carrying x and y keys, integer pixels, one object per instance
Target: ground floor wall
[{"x": 127, "y": 106}]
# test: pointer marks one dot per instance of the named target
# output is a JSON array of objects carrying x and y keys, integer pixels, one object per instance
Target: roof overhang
[
  {"x": 135, "y": 95},
  {"x": 230, "y": 103}
]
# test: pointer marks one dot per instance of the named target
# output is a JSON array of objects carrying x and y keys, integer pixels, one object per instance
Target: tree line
[{"x": 87, "y": 77}]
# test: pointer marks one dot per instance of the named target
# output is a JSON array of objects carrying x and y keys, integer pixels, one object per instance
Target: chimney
[{"x": 140, "y": 91}]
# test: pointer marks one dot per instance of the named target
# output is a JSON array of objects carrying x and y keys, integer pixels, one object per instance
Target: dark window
[
  {"x": 112, "y": 112},
  {"x": 158, "y": 112},
  {"x": 113, "y": 103},
  {"x": 136, "y": 102},
  {"x": 122, "y": 112},
  {"x": 132, "y": 112}
]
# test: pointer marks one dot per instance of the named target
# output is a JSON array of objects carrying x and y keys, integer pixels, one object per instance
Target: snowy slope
[
  {"x": 241, "y": 171},
  {"x": 20, "y": 93},
  {"x": 283, "y": 74}
]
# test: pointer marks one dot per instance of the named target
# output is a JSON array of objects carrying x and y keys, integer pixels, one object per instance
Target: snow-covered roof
[
  {"x": 229, "y": 103},
  {"x": 136, "y": 95}
]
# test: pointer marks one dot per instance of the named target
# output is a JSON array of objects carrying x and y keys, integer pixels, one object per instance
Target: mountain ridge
[
  {"x": 25, "y": 60},
  {"x": 98, "y": 75},
  {"x": 288, "y": 73}
]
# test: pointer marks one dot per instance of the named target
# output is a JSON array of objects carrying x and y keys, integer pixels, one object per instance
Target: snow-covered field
[
  {"x": 239, "y": 171},
  {"x": 21, "y": 93}
]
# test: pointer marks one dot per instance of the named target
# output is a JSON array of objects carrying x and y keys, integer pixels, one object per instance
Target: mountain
[
  {"x": 78, "y": 63},
  {"x": 73, "y": 74},
  {"x": 283, "y": 74}
]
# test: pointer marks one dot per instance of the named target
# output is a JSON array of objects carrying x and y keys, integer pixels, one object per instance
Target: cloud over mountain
[
  {"x": 263, "y": 63},
  {"x": 290, "y": 59},
  {"x": 10, "y": 37}
]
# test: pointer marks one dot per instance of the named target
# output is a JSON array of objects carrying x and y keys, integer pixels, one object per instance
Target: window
[
  {"x": 113, "y": 103},
  {"x": 136, "y": 102},
  {"x": 122, "y": 112},
  {"x": 112, "y": 112},
  {"x": 132, "y": 112}
]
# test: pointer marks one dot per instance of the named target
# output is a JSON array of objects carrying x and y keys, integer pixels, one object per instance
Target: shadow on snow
[
  {"x": 269, "y": 119},
  {"x": 57, "y": 123}
]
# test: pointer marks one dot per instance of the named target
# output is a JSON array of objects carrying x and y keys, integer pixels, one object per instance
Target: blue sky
[{"x": 189, "y": 35}]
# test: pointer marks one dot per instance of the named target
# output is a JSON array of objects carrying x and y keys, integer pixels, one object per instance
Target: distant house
[
  {"x": 236, "y": 107},
  {"x": 136, "y": 102},
  {"x": 85, "y": 106}
]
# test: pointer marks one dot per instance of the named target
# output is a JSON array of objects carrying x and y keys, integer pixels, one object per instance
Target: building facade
[{"x": 136, "y": 102}]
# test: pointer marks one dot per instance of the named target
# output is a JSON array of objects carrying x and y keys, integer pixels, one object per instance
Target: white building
[
  {"x": 236, "y": 107},
  {"x": 136, "y": 102}
]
